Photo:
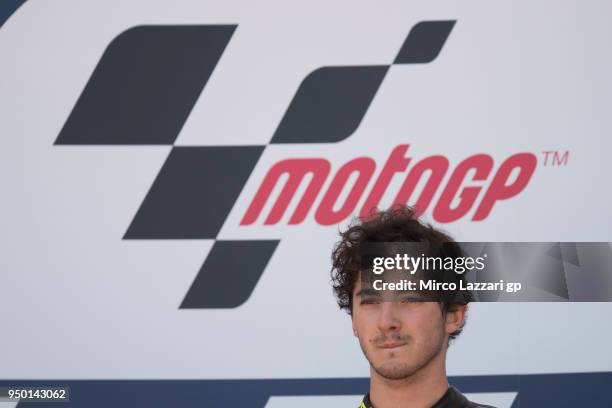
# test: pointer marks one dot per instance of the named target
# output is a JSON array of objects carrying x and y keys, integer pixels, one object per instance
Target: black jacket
[{"x": 453, "y": 398}]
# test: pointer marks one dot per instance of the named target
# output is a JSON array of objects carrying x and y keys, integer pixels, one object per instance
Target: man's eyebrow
[
  {"x": 368, "y": 292},
  {"x": 412, "y": 296}
]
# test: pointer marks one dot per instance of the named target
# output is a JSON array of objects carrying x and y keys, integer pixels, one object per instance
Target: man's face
[{"x": 398, "y": 337}]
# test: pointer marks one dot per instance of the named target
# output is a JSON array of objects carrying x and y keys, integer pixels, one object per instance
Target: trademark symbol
[{"x": 555, "y": 158}]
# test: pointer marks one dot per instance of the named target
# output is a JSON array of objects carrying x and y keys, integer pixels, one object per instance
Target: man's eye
[{"x": 370, "y": 301}]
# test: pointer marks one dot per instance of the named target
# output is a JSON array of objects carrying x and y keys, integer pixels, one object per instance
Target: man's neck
[{"x": 421, "y": 390}]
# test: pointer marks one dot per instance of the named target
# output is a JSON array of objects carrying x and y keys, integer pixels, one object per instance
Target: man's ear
[
  {"x": 353, "y": 326},
  {"x": 455, "y": 316}
]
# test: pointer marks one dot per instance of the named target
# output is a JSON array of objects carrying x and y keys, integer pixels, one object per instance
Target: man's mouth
[{"x": 391, "y": 344}]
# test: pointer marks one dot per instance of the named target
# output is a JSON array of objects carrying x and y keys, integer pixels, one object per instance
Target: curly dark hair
[{"x": 399, "y": 223}]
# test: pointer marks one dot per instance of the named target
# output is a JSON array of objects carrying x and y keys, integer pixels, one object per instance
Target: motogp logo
[
  {"x": 142, "y": 92},
  {"x": 500, "y": 188}
]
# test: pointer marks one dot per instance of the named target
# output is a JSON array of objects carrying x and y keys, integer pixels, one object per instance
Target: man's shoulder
[
  {"x": 460, "y": 400},
  {"x": 476, "y": 405},
  {"x": 455, "y": 399}
]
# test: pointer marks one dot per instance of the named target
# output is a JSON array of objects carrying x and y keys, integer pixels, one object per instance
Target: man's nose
[{"x": 388, "y": 320}]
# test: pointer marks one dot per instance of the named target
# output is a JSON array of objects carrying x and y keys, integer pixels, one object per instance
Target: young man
[{"x": 405, "y": 342}]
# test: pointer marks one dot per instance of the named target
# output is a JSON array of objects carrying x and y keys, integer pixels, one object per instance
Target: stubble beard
[{"x": 400, "y": 370}]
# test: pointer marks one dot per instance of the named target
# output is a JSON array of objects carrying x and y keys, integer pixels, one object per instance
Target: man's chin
[
  {"x": 395, "y": 354},
  {"x": 394, "y": 370}
]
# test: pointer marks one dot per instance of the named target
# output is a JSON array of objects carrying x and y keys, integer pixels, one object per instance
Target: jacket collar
[{"x": 452, "y": 398}]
